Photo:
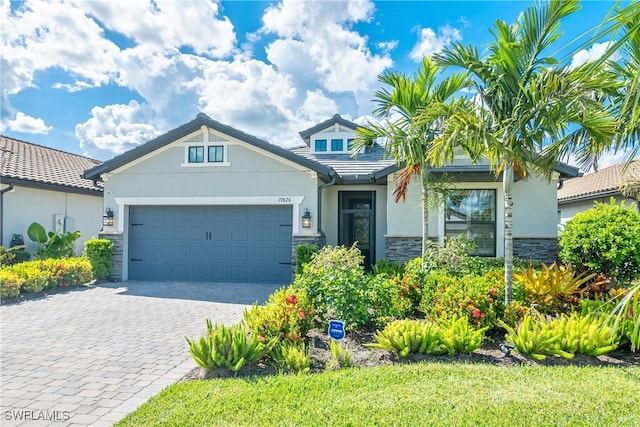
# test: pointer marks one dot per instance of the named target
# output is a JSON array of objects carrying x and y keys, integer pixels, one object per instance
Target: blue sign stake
[{"x": 336, "y": 329}]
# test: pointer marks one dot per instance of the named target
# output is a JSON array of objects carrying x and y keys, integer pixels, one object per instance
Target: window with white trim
[
  {"x": 472, "y": 213},
  {"x": 206, "y": 154},
  {"x": 216, "y": 154},
  {"x": 320, "y": 145},
  {"x": 337, "y": 145},
  {"x": 196, "y": 154}
]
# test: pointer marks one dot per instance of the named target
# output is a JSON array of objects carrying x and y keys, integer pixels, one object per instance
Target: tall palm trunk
[
  {"x": 425, "y": 209},
  {"x": 507, "y": 182}
]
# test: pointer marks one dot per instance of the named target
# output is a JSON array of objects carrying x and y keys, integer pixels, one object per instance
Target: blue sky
[{"x": 99, "y": 77}]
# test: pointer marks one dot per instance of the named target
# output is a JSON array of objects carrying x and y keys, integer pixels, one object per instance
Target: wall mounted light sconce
[
  {"x": 108, "y": 218},
  {"x": 306, "y": 218}
]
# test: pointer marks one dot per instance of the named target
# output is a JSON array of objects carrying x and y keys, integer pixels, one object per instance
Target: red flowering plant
[
  {"x": 476, "y": 298},
  {"x": 287, "y": 315}
]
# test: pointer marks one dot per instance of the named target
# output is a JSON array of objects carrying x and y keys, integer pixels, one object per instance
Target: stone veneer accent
[
  {"x": 543, "y": 249},
  {"x": 402, "y": 248},
  {"x": 117, "y": 239}
]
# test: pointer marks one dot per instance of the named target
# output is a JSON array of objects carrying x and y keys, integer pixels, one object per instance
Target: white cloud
[
  {"x": 317, "y": 45},
  {"x": 27, "y": 124},
  {"x": 593, "y": 54},
  {"x": 167, "y": 24},
  {"x": 41, "y": 35},
  {"x": 114, "y": 129},
  {"x": 317, "y": 65},
  {"x": 430, "y": 42}
]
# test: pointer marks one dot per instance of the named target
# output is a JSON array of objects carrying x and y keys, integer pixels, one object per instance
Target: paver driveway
[{"x": 90, "y": 356}]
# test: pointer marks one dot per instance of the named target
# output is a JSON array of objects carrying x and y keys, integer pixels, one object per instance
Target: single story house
[
  {"x": 579, "y": 194},
  {"x": 209, "y": 202},
  {"x": 44, "y": 185}
]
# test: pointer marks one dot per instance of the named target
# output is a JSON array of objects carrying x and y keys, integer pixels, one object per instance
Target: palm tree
[
  {"x": 398, "y": 103},
  {"x": 523, "y": 101}
]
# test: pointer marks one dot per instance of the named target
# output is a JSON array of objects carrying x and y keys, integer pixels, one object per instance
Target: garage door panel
[{"x": 213, "y": 243}]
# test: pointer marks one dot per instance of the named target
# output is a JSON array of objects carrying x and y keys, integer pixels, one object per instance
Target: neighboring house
[
  {"x": 206, "y": 201},
  {"x": 43, "y": 185},
  {"x": 579, "y": 194}
]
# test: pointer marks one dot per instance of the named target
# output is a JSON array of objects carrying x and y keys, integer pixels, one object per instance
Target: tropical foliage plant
[
  {"x": 523, "y": 99},
  {"x": 291, "y": 357},
  {"x": 229, "y": 347},
  {"x": 52, "y": 244}
]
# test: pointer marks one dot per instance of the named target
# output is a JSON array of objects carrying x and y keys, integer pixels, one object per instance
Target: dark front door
[{"x": 356, "y": 223}]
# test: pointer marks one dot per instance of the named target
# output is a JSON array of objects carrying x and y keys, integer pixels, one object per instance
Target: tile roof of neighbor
[
  {"x": 28, "y": 163},
  {"x": 597, "y": 184},
  {"x": 362, "y": 166}
]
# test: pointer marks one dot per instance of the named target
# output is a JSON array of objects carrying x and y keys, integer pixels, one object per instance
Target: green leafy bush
[
  {"x": 336, "y": 284},
  {"x": 227, "y": 347},
  {"x": 304, "y": 254},
  {"x": 67, "y": 272},
  {"x": 562, "y": 336},
  {"x": 36, "y": 276},
  {"x": 292, "y": 357},
  {"x": 411, "y": 282},
  {"x": 476, "y": 298},
  {"x": 287, "y": 315},
  {"x": 10, "y": 283},
  {"x": 408, "y": 336},
  {"x": 604, "y": 239},
  {"x": 384, "y": 300},
  {"x": 100, "y": 254},
  {"x": 454, "y": 257}
]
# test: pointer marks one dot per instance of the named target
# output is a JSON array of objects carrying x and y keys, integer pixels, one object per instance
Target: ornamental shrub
[
  {"x": 35, "y": 276},
  {"x": 10, "y": 283},
  {"x": 336, "y": 285},
  {"x": 100, "y": 254},
  {"x": 604, "y": 239},
  {"x": 287, "y": 315},
  {"x": 304, "y": 254},
  {"x": 476, "y": 298}
]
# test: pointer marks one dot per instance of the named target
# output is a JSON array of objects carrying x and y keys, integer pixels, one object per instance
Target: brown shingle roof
[
  {"x": 34, "y": 164},
  {"x": 604, "y": 182}
]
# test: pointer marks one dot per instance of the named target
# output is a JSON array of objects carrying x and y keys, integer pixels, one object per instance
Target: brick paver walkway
[{"x": 90, "y": 356}]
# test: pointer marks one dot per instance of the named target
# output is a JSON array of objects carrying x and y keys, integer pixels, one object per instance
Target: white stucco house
[
  {"x": 209, "y": 202},
  {"x": 44, "y": 185},
  {"x": 579, "y": 194}
]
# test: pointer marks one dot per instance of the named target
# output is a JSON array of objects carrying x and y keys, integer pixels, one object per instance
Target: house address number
[{"x": 284, "y": 199}]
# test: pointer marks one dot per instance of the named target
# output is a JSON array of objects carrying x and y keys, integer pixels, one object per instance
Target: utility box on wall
[{"x": 58, "y": 223}]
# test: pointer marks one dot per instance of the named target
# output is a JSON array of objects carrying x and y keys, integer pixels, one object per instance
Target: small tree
[{"x": 604, "y": 239}]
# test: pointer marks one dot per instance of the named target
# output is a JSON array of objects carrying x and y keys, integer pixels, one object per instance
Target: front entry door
[{"x": 356, "y": 222}]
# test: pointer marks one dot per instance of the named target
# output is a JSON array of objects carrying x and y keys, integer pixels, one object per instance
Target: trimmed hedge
[
  {"x": 35, "y": 276},
  {"x": 100, "y": 254}
]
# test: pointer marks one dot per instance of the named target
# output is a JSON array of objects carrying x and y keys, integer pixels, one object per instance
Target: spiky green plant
[{"x": 229, "y": 347}]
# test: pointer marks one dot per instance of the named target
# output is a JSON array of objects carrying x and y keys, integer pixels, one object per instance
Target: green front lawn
[{"x": 406, "y": 395}]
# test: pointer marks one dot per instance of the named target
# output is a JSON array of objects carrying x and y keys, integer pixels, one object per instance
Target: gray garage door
[{"x": 210, "y": 243}]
